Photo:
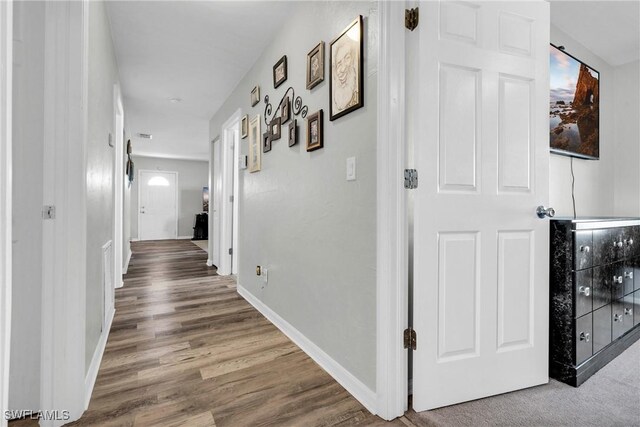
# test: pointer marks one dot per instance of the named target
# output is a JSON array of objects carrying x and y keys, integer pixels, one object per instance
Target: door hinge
[
  {"x": 410, "y": 338},
  {"x": 411, "y": 18},
  {"x": 410, "y": 179},
  {"x": 231, "y": 199},
  {"x": 230, "y": 251}
]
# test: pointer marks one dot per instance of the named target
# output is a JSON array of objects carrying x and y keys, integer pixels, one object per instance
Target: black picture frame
[
  {"x": 285, "y": 110},
  {"x": 346, "y": 96},
  {"x": 280, "y": 72},
  {"x": 315, "y": 66},
  {"x": 315, "y": 141},
  {"x": 275, "y": 129},
  {"x": 293, "y": 133},
  {"x": 266, "y": 142}
]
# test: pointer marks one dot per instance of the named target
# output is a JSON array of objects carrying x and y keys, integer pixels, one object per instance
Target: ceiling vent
[{"x": 145, "y": 135}]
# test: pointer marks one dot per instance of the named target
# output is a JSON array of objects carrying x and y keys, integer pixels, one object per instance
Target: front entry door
[
  {"x": 482, "y": 151},
  {"x": 157, "y": 217}
]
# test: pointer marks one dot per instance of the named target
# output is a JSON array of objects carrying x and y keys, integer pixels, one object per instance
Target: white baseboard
[
  {"x": 92, "y": 373},
  {"x": 209, "y": 263},
  {"x": 125, "y": 268},
  {"x": 345, "y": 378},
  {"x": 134, "y": 239},
  {"x": 185, "y": 237}
]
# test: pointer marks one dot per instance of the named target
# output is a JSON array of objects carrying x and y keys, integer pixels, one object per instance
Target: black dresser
[{"x": 594, "y": 295}]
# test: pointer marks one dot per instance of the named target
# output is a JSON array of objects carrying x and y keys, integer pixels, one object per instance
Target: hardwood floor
[{"x": 186, "y": 349}]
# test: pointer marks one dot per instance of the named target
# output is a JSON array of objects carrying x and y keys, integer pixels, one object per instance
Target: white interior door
[
  {"x": 157, "y": 207},
  {"x": 480, "y": 252}
]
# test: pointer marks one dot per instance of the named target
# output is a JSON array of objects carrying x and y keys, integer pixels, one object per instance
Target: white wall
[
  {"x": 193, "y": 175},
  {"x": 626, "y": 189},
  {"x": 593, "y": 178},
  {"x": 103, "y": 74},
  {"x": 28, "y": 134},
  {"x": 299, "y": 216}
]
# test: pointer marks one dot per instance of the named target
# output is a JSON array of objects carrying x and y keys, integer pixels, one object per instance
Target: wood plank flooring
[{"x": 186, "y": 349}]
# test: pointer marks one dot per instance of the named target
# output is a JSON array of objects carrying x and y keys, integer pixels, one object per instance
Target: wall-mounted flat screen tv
[{"x": 574, "y": 113}]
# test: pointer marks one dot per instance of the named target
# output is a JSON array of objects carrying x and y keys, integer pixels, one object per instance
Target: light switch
[{"x": 351, "y": 169}]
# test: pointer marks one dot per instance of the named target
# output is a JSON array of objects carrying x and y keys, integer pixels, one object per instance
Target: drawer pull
[
  {"x": 628, "y": 274},
  {"x": 584, "y": 290},
  {"x": 628, "y": 311},
  {"x": 617, "y": 318},
  {"x": 617, "y": 279},
  {"x": 586, "y": 249},
  {"x": 617, "y": 244},
  {"x": 629, "y": 241},
  {"x": 585, "y": 336}
]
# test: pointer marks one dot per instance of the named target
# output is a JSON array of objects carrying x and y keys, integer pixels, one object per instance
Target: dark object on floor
[{"x": 201, "y": 229}]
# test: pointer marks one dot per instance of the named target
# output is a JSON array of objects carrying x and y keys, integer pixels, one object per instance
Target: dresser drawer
[
  {"x": 583, "y": 250},
  {"x": 583, "y": 292},
  {"x": 636, "y": 307},
  {"x": 621, "y": 317},
  {"x": 584, "y": 334},
  {"x": 601, "y": 328},
  {"x": 631, "y": 240},
  {"x": 602, "y": 285},
  {"x": 608, "y": 246},
  {"x": 628, "y": 276}
]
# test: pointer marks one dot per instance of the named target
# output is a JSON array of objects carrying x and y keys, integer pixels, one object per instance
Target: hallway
[{"x": 186, "y": 349}]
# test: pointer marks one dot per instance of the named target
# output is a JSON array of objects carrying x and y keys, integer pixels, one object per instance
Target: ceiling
[
  {"x": 610, "y": 29},
  {"x": 195, "y": 51}
]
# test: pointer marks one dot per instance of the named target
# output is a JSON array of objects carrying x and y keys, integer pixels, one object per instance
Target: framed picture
[
  {"x": 266, "y": 142},
  {"x": 293, "y": 133},
  {"x": 255, "y": 156},
  {"x": 574, "y": 110},
  {"x": 314, "y": 131},
  {"x": 255, "y": 96},
  {"x": 244, "y": 126},
  {"x": 345, "y": 82},
  {"x": 276, "y": 129},
  {"x": 315, "y": 66},
  {"x": 280, "y": 72},
  {"x": 285, "y": 111}
]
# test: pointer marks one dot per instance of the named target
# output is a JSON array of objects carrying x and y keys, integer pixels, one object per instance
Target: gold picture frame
[
  {"x": 255, "y": 96},
  {"x": 255, "y": 145}
]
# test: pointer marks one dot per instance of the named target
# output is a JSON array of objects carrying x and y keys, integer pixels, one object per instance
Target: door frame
[
  {"x": 213, "y": 257},
  {"x": 63, "y": 364},
  {"x": 118, "y": 185},
  {"x": 230, "y": 139},
  {"x": 6, "y": 76},
  {"x": 392, "y": 283},
  {"x": 140, "y": 192}
]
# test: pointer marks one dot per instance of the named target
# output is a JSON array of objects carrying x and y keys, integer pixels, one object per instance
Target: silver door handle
[{"x": 542, "y": 212}]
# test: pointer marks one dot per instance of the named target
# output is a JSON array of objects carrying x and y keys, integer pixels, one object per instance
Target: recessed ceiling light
[
  {"x": 145, "y": 135},
  {"x": 175, "y": 100}
]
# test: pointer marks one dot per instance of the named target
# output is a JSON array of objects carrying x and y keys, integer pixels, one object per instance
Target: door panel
[
  {"x": 157, "y": 205},
  {"x": 481, "y": 254}
]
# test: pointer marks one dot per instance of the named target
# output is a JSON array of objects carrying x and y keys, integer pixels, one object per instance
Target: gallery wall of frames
[{"x": 309, "y": 105}]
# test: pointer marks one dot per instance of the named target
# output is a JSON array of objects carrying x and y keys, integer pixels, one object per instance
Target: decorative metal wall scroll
[{"x": 297, "y": 108}]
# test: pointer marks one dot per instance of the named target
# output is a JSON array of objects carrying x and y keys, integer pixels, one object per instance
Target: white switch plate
[
  {"x": 265, "y": 275},
  {"x": 351, "y": 169}
]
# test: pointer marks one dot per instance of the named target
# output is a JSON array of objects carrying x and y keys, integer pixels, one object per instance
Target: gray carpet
[{"x": 611, "y": 397}]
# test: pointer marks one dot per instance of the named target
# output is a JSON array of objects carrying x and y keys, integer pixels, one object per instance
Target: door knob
[
  {"x": 584, "y": 290},
  {"x": 541, "y": 211}
]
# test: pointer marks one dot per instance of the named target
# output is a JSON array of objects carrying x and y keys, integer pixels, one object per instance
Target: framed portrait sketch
[
  {"x": 255, "y": 157},
  {"x": 280, "y": 72},
  {"x": 244, "y": 126},
  {"x": 266, "y": 142},
  {"x": 345, "y": 81},
  {"x": 293, "y": 133},
  {"x": 285, "y": 110},
  {"x": 276, "y": 129},
  {"x": 314, "y": 131},
  {"x": 315, "y": 66},
  {"x": 255, "y": 96}
]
